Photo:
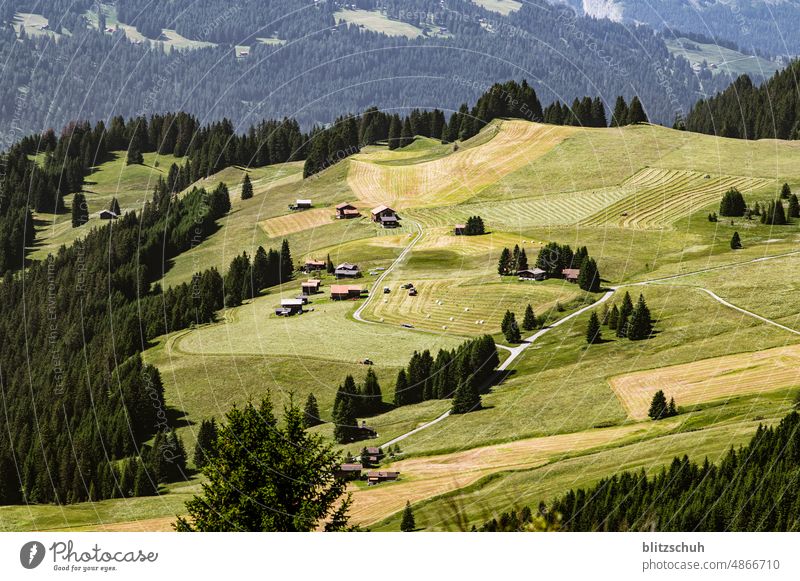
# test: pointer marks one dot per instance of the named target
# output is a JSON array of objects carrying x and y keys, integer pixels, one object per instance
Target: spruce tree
[
  {"x": 206, "y": 437},
  {"x": 589, "y": 276},
  {"x": 529, "y": 319},
  {"x": 736, "y": 242},
  {"x": 593, "y": 332},
  {"x": 311, "y": 416},
  {"x": 247, "y": 187},
  {"x": 287, "y": 266},
  {"x": 640, "y": 325},
  {"x": 407, "y": 134},
  {"x": 466, "y": 398},
  {"x": 395, "y": 129},
  {"x": 80, "y": 210},
  {"x": 114, "y": 207},
  {"x": 620, "y": 115},
  {"x": 329, "y": 266},
  {"x": 732, "y": 204},
  {"x": 504, "y": 262},
  {"x": 134, "y": 156},
  {"x": 345, "y": 421},
  {"x": 786, "y": 191},
  {"x": 636, "y": 112},
  {"x": 371, "y": 392},
  {"x": 793, "y": 210},
  {"x": 408, "y": 525},
  {"x": 401, "y": 392},
  {"x": 510, "y": 328},
  {"x": 658, "y": 406},
  {"x": 613, "y": 318},
  {"x": 624, "y": 313}
]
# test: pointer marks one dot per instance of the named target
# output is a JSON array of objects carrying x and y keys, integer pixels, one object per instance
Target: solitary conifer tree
[
  {"x": 658, "y": 406},
  {"x": 408, "y": 525},
  {"x": 247, "y": 188},
  {"x": 311, "y": 412},
  {"x": 593, "y": 333},
  {"x": 529, "y": 320},
  {"x": 510, "y": 328},
  {"x": 80, "y": 210},
  {"x": 114, "y": 206},
  {"x": 736, "y": 242}
]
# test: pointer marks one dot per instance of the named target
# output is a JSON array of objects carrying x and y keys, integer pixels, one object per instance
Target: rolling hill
[{"x": 565, "y": 413}]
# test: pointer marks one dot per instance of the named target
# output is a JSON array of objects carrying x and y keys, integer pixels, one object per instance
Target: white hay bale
[
  {"x": 444, "y": 327},
  {"x": 451, "y": 318},
  {"x": 466, "y": 309}
]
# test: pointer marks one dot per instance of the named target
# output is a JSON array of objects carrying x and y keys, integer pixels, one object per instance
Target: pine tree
[
  {"x": 264, "y": 476},
  {"x": 408, "y": 525},
  {"x": 407, "y": 135},
  {"x": 505, "y": 261},
  {"x": 794, "y": 208},
  {"x": 466, "y": 398},
  {"x": 510, "y": 328},
  {"x": 371, "y": 392},
  {"x": 395, "y": 129},
  {"x": 736, "y": 242},
  {"x": 247, "y": 187},
  {"x": 732, "y": 204},
  {"x": 80, "y": 210},
  {"x": 206, "y": 438},
  {"x": 672, "y": 409},
  {"x": 636, "y": 112},
  {"x": 589, "y": 276},
  {"x": 640, "y": 325},
  {"x": 329, "y": 267},
  {"x": 345, "y": 421},
  {"x": 260, "y": 271},
  {"x": 134, "y": 156},
  {"x": 529, "y": 319},
  {"x": 287, "y": 266},
  {"x": 593, "y": 332},
  {"x": 114, "y": 207},
  {"x": 658, "y": 406},
  {"x": 311, "y": 416},
  {"x": 401, "y": 392},
  {"x": 624, "y": 313},
  {"x": 613, "y": 318},
  {"x": 786, "y": 191},
  {"x": 620, "y": 115}
]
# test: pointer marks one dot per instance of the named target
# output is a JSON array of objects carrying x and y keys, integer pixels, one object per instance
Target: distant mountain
[
  {"x": 252, "y": 59},
  {"x": 764, "y": 26}
]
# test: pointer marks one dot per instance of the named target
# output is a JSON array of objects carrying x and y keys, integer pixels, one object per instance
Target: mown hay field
[
  {"x": 456, "y": 177},
  {"x": 718, "y": 378},
  {"x": 465, "y": 308},
  {"x": 659, "y": 197},
  {"x": 297, "y": 222}
]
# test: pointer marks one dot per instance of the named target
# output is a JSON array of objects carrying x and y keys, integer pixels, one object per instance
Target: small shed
[
  {"x": 294, "y": 306},
  {"x": 460, "y": 229},
  {"x": 107, "y": 215},
  {"x": 310, "y": 286},
  {"x": 535, "y": 274},
  {"x": 343, "y": 292},
  {"x": 378, "y": 476},
  {"x": 347, "y": 270},
  {"x": 571, "y": 274},
  {"x": 301, "y": 205},
  {"x": 314, "y": 265},
  {"x": 349, "y": 471},
  {"x": 347, "y": 211}
]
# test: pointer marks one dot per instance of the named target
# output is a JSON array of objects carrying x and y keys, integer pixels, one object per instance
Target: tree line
[{"x": 462, "y": 374}]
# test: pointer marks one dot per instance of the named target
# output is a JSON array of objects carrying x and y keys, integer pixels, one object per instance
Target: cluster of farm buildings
[
  {"x": 359, "y": 470},
  {"x": 569, "y": 274}
]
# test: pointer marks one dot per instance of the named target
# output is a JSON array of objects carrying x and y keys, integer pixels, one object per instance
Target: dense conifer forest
[
  {"x": 325, "y": 67},
  {"x": 748, "y": 111},
  {"x": 753, "y": 488}
]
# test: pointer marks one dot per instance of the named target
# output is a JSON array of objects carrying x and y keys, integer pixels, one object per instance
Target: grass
[
  {"x": 710, "y": 380},
  {"x": 504, "y": 7},
  {"x": 721, "y": 59},
  {"x": 456, "y": 177},
  {"x": 130, "y": 184},
  {"x": 375, "y": 21},
  {"x": 34, "y": 25}
]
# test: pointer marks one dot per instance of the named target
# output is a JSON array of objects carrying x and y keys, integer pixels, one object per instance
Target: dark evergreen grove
[
  {"x": 753, "y": 488},
  {"x": 462, "y": 373},
  {"x": 774, "y": 214},
  {"x": 74, "y": 326},
  {"x": 474, "y": 226},
  {"x": 660, "y": 408},
  {"x": 746, "y": 111},
  {"x": 732, "y": 203},
  {"x": 264, "y": 476}
]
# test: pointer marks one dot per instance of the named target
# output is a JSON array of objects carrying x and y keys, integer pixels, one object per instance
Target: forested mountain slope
[{"x": 304, "y": 62}]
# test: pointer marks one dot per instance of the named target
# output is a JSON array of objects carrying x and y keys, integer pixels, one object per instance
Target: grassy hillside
[{"x": 566, "y": 414}]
